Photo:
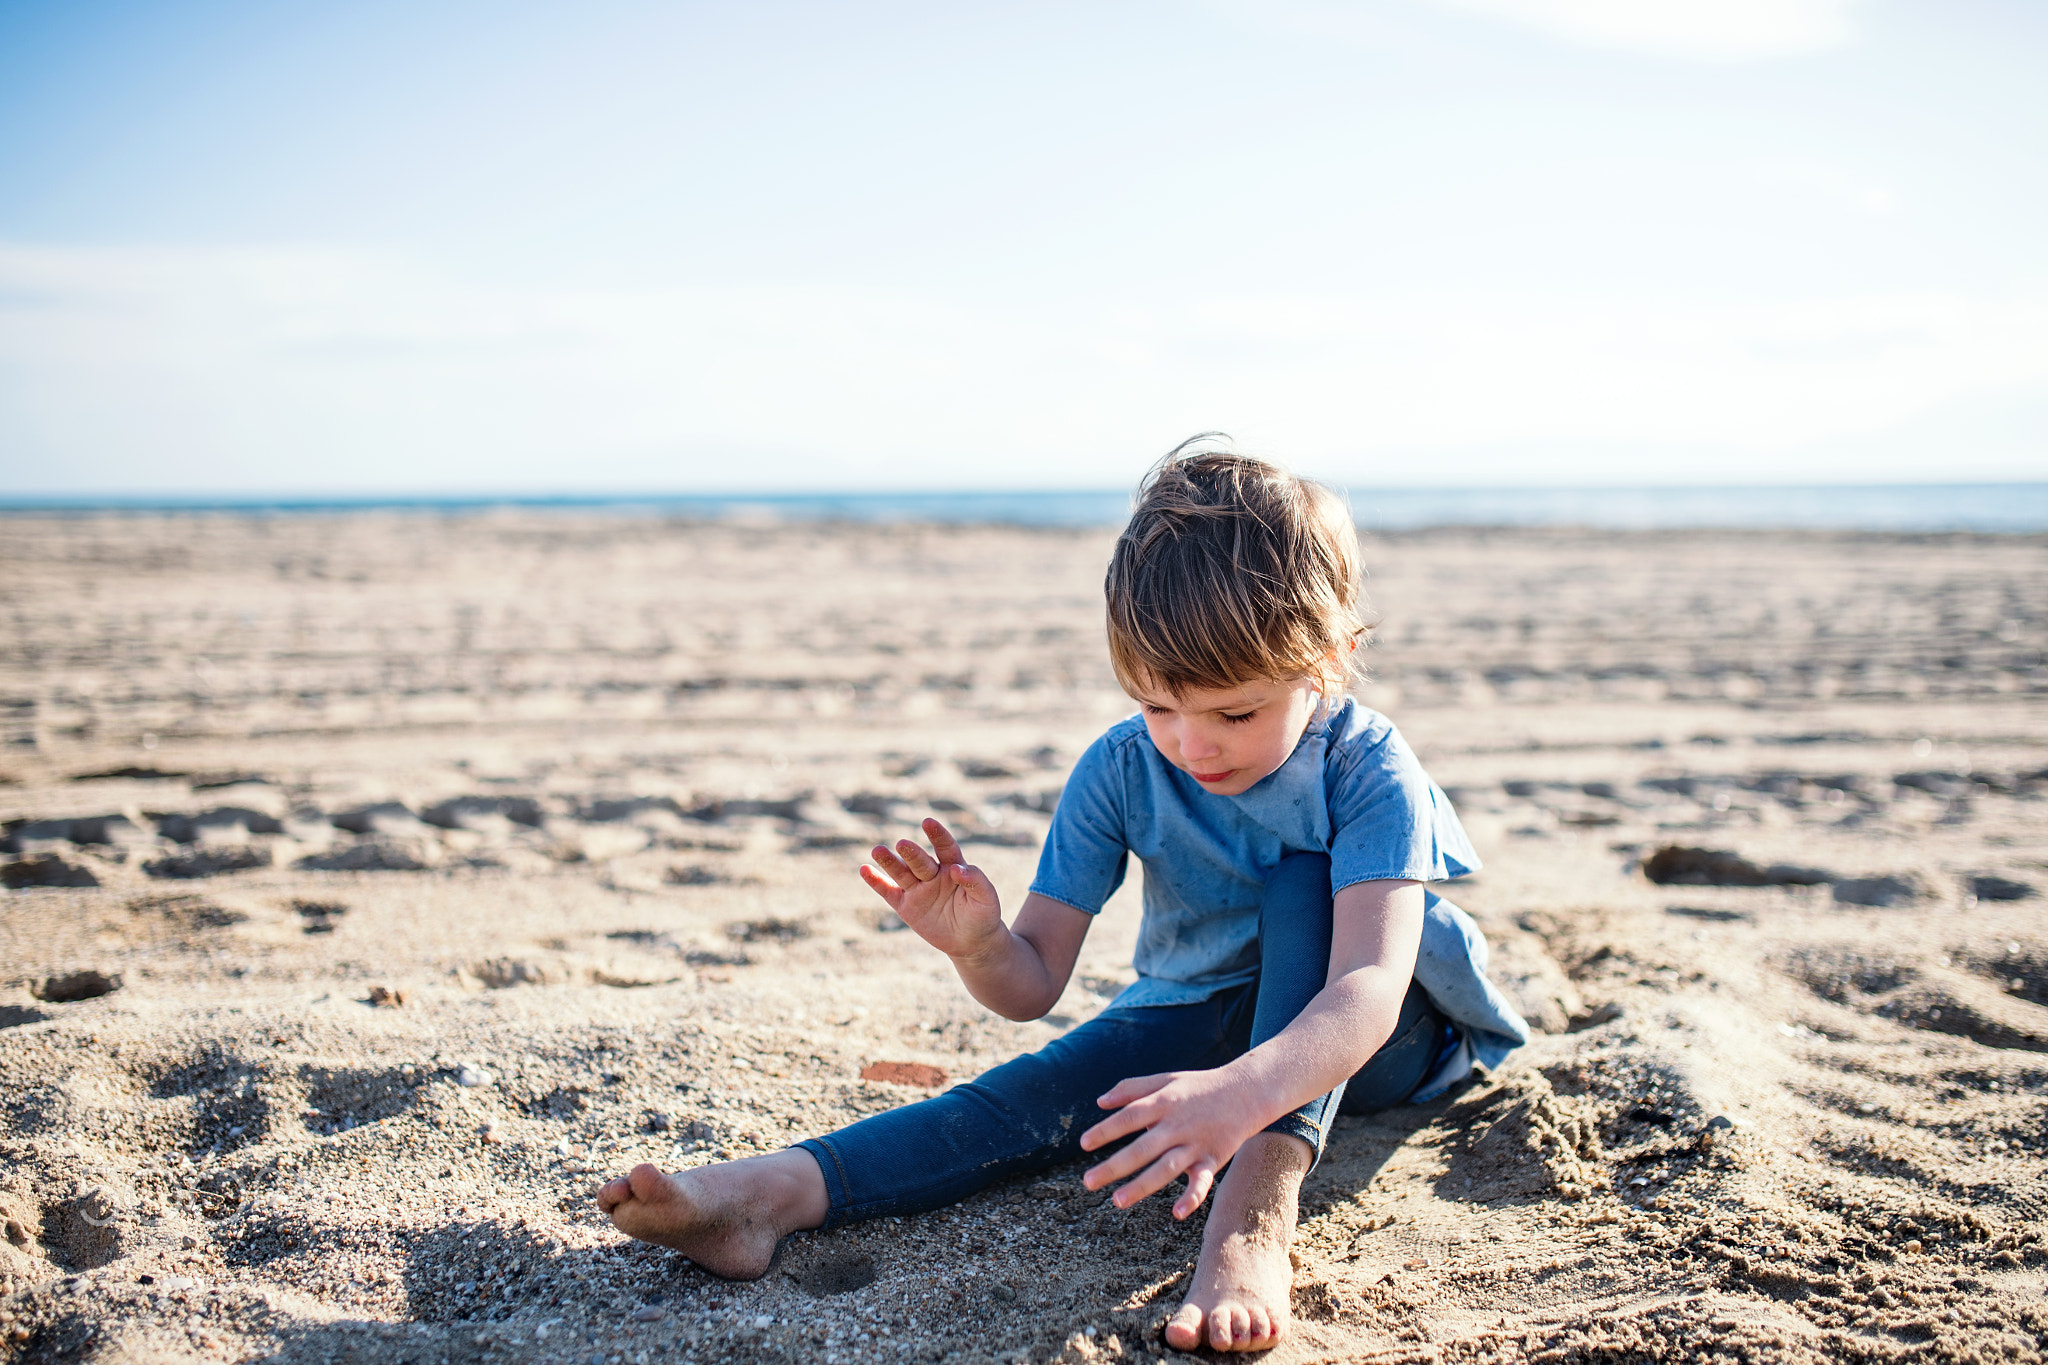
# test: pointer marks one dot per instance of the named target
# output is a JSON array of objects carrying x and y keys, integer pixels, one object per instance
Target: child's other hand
[
  {"x": 950, "y": 904},
  {"x": 1193, "y": 1121}
]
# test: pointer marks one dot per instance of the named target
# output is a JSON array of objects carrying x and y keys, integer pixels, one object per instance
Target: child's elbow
[{"x": 1027, "y": 1012}]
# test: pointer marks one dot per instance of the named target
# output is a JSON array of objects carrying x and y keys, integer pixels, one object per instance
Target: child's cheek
[{"x": 1164, "y": 746}]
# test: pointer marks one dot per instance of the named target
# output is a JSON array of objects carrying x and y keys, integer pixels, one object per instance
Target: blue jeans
[{"x": 1029, "y": 1114}]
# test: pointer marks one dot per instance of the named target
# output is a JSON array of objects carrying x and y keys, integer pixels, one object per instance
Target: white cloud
[
  {"x": 1714, "y": 30},
  {"x": 307, "y": 369}
]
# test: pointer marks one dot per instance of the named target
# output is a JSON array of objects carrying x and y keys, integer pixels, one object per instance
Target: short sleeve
[
  {"x": 1086, "y": 853},
  {"x": 1387, "y": 819}
]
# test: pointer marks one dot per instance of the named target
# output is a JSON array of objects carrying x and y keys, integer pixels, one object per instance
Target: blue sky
[{"x": 467, "y": 247}]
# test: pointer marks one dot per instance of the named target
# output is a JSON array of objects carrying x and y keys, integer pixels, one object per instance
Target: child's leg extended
[
  {"x": 1239, "y": 1297},
  {"x": 1025, "y": 1115}
]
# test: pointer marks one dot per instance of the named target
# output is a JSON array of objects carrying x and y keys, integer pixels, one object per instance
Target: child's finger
[
  {"x": 1201, "y": 1178},
  {"x": 1122, "y": 1123},
  {"x": 1127, "y": 1162},
  {"x": 921, "y": 863},
  {"x": 893, "y": 866},
  {"x": 1155, "y": 1177},
  {"x": 943, "y": 842},
  {"x": 882, "y": 888},
  {"x": 1135, "y": 1088}
]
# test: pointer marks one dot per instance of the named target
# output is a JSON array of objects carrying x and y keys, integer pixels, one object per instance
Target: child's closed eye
[{"x": 1238, "y": 719}]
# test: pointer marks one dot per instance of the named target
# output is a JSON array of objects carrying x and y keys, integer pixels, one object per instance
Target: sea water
[{"x": 2007, "y": 507}]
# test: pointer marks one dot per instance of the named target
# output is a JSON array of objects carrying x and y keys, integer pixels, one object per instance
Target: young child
[{"x": 1290, "y": 964}]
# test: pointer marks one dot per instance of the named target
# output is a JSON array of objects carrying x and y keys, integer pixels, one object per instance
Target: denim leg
[
  {"x": 1024, "y": 1115},
  {"x": 1294, "y": 963},
  {"x": 1296, "y": 922},
  {"x": 1404, "y": 1062}
]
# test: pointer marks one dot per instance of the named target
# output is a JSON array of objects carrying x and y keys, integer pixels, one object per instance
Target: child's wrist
[
  {"x": 988, "y": 953},
  {"x": 1258, "y": 1089}
]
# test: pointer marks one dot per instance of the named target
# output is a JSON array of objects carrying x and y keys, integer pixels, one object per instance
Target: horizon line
[{"x": 145, "y": 499}]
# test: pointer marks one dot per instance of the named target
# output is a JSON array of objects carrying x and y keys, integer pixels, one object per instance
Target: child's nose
[{"x": 1195, "y": 744}]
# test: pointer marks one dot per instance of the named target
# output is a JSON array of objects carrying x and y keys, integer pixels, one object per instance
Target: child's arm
[
  {"x": 1017, "y": 972},
  {"x": 1198, "y": 1119}
]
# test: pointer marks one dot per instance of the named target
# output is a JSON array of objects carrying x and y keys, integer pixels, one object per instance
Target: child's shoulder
[
  {"x": 1353, "y": 727},
  {"x": 1111, "y": 763},
  {"x": 1118, "y": 738},
  {"x": 1111, "y": 755},
  {"x": 1359, "y": 738}
]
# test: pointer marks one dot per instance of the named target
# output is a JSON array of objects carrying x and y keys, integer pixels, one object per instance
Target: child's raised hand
[
  {"x": 1193, "y": 1123},
  {"x": 950, "y": 904}
]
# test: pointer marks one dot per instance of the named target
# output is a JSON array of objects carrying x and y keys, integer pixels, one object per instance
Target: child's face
[{"x": 1227, "y": 739}]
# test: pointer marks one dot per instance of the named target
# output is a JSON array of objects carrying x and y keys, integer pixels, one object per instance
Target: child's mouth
[{"x": 1211, "y": 777}]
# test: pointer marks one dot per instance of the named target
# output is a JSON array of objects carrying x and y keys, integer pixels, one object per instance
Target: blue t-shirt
[{"x": 1352, "y": 788}]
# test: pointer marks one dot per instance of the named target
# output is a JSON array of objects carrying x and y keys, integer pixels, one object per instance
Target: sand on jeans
[{"x": 378, "y": 885}]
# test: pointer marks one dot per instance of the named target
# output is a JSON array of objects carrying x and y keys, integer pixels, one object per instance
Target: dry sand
[{"x": 446, "y": 866}]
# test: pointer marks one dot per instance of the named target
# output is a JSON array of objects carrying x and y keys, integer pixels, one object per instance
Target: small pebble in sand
[
  {"x": 491, "y": 1133},
  {"x": 473, "y": 1076},
  {"x": 648, "y": 1313},
  {"x": 383, "y": 997},
  {"x": 904, "y": 1073}
]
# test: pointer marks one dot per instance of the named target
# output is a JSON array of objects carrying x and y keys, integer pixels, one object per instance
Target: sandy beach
[{"x": 380, "y": 884}]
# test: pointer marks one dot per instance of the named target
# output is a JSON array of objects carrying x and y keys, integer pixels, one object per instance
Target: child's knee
[{"x": 1297, "y": 866}]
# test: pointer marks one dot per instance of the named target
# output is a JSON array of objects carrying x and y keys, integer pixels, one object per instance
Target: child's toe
[
  {"x": 1184, "y": 1330},
  {"x": 643, "y": 1181}
]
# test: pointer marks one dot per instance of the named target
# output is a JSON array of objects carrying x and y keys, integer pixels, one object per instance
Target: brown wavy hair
[{"x": 1232, "y": 570}]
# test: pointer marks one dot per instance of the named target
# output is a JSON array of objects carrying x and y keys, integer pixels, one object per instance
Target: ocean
[{"x": 2008, "y": 507}]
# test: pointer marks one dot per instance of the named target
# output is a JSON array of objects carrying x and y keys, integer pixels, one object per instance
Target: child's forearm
[
  {"x": 1010, "y": 976},
  {"x": 1376, "y": 932},
  {"x": 1019, "y": 971},
  {"x": 1348, "y": 1021}
]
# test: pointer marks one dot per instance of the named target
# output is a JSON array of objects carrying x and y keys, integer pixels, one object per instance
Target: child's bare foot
[
  {"x": 727, "y": 1218},
  {"x": 1239, "y": 1299}
]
